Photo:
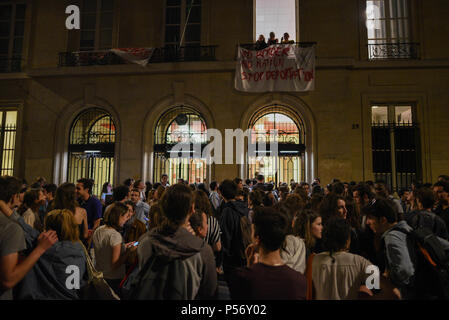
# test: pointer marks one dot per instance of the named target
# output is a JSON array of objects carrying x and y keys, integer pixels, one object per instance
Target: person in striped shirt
[{"x": 203, "y": 205}]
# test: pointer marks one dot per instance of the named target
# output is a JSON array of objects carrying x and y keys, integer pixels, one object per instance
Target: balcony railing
[
  {"x": 176, "y": 54},
  {"x": 255, "y": 46},
  {"x": 165, "y": 54},
  {"x": 382, "y": 51},
  {"x": 10, "y": 65}
]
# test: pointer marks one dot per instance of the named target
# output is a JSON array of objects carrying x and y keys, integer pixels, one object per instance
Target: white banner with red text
[{"x": 282, "y": 67}]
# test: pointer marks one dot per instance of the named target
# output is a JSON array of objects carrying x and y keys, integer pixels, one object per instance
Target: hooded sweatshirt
[
  {"x": 231, "y": 237},
  {"x": 200, "y": 276}
]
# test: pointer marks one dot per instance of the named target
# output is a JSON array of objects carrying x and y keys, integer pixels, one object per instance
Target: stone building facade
[{"x": 51, "y": 92}]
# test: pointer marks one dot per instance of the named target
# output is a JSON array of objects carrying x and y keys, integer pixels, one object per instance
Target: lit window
[
  {"x": 180, "y": 124},
  {"x": 92, "y": 148},
  {"x": 289, "y": 161},
  {"x": 389, "y": 30},
  {"x": 278, "y": 16},
  {"x": 379, "y": 114},
  {"x": 8, "y": 130},
  {"x": 403, "y": 115}
]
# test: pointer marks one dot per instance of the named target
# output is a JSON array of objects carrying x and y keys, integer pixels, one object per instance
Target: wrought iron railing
[
  {"x": 165, "y": 54},
  {"x": 179, "y": 54},
  {"x": 256, "y": 46},
  {"x": 10, "y": 64},
  {"x": 88, "y": 58},
  {"x": 382, "y": 51}
]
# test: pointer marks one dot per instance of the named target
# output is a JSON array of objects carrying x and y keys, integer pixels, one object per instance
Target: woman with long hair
[
  {"x": 106, "y": 191},
  {"x": 203, "y": 205},
  {"x": 50, "y": 272},
  {"x": 157, "y": 195},
  {"x": 111, "y": 252},
  {"x": 29, "y": 209},
  {"x": 308, "y": 226},
  {"x": 293, "y": 251},
  {"x": 255, "y": 199},
  {"x": 336, "y": 273},
  {"x": 66, "y": 199},
  {"x": 334, "y": 206}
]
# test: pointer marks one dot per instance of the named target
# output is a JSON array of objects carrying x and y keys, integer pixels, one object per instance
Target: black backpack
[
  {"x": 160, "y": 279},
  {"x": 431, "y": 262}
]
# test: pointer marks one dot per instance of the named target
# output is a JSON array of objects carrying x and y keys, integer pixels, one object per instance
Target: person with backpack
[
  {"x": 424, "y": 217},
  {"x": 173, "y": 263},
  {"x": 416, "y": 261},
  {"x": 235, "y": 228},
  {"x": 382, "y": 219}
]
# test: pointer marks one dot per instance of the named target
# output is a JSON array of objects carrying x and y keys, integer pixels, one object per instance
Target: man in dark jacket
[
  {"x": 260, "y": 183},
  {"x": 232, "y": 238},
  {"x": 424, "y": 217},
  {"x": 441, "y": 191}
]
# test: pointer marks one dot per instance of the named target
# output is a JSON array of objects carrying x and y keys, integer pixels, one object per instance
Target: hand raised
[{"x": 47, "y": 239}]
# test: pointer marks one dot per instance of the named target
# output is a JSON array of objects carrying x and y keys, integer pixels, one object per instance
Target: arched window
[
  {"x": 288, "y": 162},
  {"x": 179, "y": 125},
  {"x": 91, "y": 148}
]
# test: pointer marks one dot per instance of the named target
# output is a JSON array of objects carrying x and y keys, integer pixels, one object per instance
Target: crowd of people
[
  {"x": 232, "y": 239},
  {"x": 261, "y": 43}
]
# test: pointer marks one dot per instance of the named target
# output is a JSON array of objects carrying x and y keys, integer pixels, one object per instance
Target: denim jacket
[{"x": 398, "y": 260}]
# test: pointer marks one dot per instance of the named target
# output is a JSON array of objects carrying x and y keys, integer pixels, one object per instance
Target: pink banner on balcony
[{"x": 135, "y": 55}]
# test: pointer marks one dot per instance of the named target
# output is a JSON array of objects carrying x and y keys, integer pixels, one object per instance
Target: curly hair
[
  {"x": 336, "y": 235},
  {"x": 202, "y": 202},
  {"x": 256, "y": 197},
  {"x": 329, "y": 206}
]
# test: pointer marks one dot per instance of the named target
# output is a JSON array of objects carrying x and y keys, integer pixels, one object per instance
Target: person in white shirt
[
  {"x": 110, "y": 251},
  {"x": 214, "y": 197},
  {"x": 164, "y": 180}
]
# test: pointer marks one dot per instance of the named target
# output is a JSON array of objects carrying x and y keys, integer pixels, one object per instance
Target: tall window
[
  {"x": 180, "y": 125},
  {"x": 395, "y": 145},
  {"x": 8, "y": 129},
  {"x": 278, "y": 16},
  {"x": 389, "y": 29},
  {"x": 97, "y": 20},
  {"x": 288, "y": 162},
  {"x": 183, "y": 20},
  {"x": 91, "y": 148},
  {"x": 12, "y": 26}
]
